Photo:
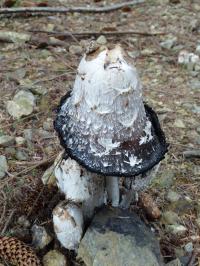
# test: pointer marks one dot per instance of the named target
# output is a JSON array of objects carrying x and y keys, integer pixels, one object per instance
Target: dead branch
[
  {"x": 21, "y": 10},
  {"x": 98, "y": 33}
]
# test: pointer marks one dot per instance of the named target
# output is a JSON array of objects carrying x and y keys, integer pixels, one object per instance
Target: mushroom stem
[{"x": 112, "y": 187}]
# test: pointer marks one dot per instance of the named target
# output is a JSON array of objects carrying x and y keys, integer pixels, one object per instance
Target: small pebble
[
  {"x": 40, "y": 237},
  {"x": 6, "y": 141},
  {"x": 189, "y": 247},
  {"x": 20, "y": 140},
  {"x": 176, "y": 229},
  {"x": 172, "y": 196},
  {"x": 23, "y": 221},
  {"x": 21, "y": 155},
  {"x": 54, "y": 258},
  {"x": 101, "y": 40},
  {"x": 75, "y": 49}
]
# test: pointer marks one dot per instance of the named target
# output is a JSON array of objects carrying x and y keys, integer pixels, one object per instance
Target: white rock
[
  {"x": 3, "y": 166},
  {"x": 101, "y": 40},
  {"x": 188, "y": 59},
  {"x": 22, "y": 104},
  {"x": 68, "y": 224}
]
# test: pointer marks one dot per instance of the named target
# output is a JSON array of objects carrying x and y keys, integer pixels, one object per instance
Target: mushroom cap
[{"x": 104, "y": 124}]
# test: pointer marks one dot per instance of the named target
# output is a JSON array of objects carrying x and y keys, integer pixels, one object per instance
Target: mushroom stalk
[{"x": 112, "y": 188}]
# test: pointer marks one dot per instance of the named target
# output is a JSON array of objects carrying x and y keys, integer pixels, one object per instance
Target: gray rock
[
  {"x": 9, "y": 151},
  {"x": 101, "y": 40},
  {"x": 28, "y": 134},
  {"x": 175, "y": 262},
  {"x": 75, "y": 49},
  {"x": 195, "y": 85},
  {"x": 169, "y": 43},
  {"x": 170, "y": 217},
  {"x": 21, "y": 155},
  {"x": 172, "y": 196},
  {"x": 118, "y": 237},
  {"x": 6, "y": 141},
  {"x": 188, "y": 247},
  {"x": 40, "y": 237},
  {"x": 176, "y": 229},
  {"x": 3, "y": 166},
  {"x": 54, "y": 258},
  {"x": 22, "y": 104},
  {"x": 44, "y": 134}
]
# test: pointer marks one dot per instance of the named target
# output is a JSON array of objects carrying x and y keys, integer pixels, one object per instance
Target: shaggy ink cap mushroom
[{"x": 104, "y": 124}]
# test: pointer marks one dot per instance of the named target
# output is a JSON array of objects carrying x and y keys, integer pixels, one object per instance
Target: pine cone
[
  {"x": 149, "y": 206},
  {"x": 17, "y": 253}
]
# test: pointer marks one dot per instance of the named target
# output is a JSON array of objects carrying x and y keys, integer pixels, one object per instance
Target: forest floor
[{"x": 47, "y": 67}]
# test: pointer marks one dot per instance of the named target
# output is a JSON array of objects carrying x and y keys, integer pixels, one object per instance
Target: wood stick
[
  {"x": 85, "y": 9},
  {"x": 98, "y": 33}
]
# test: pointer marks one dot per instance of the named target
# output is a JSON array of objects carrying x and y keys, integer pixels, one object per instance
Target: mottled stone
[{"x": 118, "y": 237}]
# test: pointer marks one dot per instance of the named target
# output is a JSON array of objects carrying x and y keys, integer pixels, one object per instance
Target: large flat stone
[{"x": 118, "y": 237}]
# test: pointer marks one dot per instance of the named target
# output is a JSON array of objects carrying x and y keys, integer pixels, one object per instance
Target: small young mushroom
[
  {"x": 106, "y": 129},
  {"x": 68, "y": 224}
]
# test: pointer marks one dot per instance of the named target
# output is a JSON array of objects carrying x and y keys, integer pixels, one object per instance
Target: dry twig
[
  {"x": 21, "y": 10},
  {"x": 8, "y": 222},
  {"x": 98, "y": 33}
]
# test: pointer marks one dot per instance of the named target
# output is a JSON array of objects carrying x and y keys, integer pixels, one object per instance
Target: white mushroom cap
[
  {"x": 104, "y": 124},
  {"x": 68, "y": 224}
]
